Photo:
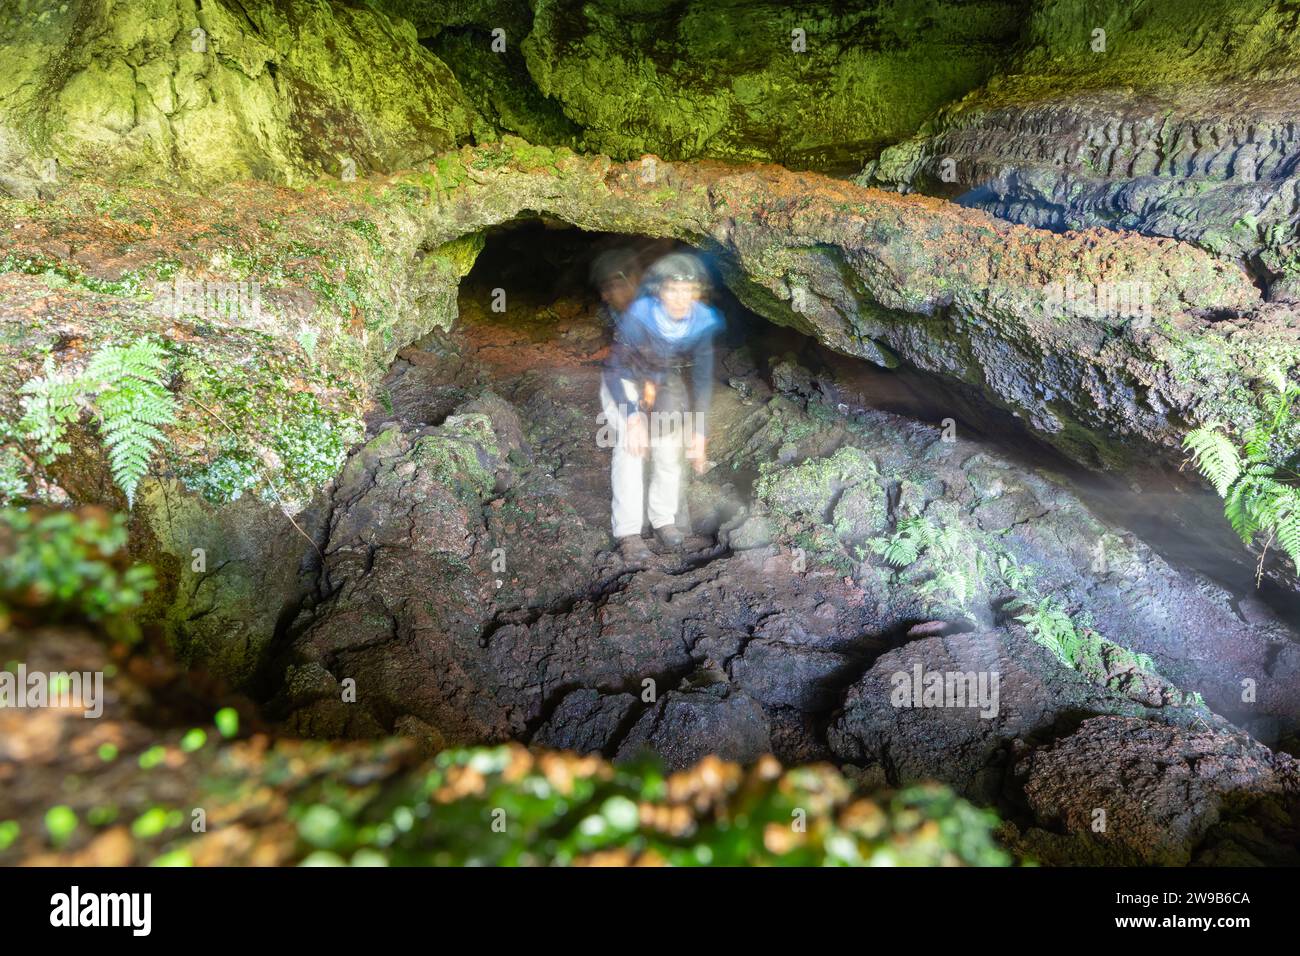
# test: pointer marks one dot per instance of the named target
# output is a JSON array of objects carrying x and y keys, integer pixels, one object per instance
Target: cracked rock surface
[{"x": 775, "y": 631}]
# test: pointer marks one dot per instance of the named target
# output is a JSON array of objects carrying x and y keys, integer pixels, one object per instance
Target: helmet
[
  {"x": 613, "y": 264},
  {"x": 678, "y": 267}
]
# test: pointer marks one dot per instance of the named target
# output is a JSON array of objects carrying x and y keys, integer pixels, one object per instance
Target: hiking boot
[
  {"x": 632, "y": 547},
  {"x": 670, "y": 537}
]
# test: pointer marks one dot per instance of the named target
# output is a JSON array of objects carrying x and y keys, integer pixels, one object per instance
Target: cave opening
[{"x": 530, "y": 312}]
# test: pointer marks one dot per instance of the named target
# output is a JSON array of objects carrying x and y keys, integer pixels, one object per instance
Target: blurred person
[
  {"x": 615, "y": 273},
  {"x": 656, "y": 391}
]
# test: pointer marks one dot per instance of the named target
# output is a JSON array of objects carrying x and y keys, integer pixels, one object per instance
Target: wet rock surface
[
  {"x": 1102, "y": 160},
  {"x": 1036, "y": 699}
]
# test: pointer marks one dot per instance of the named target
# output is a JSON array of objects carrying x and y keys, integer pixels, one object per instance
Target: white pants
[{"x": 627, "y": 473}]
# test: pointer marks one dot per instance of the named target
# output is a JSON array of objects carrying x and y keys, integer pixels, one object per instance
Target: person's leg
[
  {"x": 665, "y": 474},
  {"x": 627, "y": 478},
  {"x": 668, "y": 451},
  {"x": 626, "y": 475}
]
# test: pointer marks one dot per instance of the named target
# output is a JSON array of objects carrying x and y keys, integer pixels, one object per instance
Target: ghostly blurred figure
[
  {"x": 616, "y": 273},
  {"x": 656, "y": 391}
]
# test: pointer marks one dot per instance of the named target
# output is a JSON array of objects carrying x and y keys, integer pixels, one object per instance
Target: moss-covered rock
[
  {"x": 810, "y": 85},
  {"x": 230, "y": 573},
  {"x": 498, "y": 85},
  {"x": 816, "y": 488},
  {"x": 432, "y": 17},
  {"x": 175, "y": 90}
]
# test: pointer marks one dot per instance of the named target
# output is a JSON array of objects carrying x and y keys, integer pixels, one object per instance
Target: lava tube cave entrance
[{"x": 530, "y": 310}]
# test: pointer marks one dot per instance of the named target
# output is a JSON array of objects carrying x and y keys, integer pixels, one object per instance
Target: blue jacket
[{"x": 643, "y": 353}]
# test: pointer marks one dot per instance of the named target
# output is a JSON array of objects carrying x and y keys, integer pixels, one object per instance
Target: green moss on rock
[
  {"x": 813, "y": 488},
  {"x": 221, "y": 91},
  {"x": 722, "y": 79},
  {"x": 463, "y": 455}
]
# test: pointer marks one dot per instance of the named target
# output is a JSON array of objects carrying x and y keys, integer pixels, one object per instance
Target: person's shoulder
[
  {"x": 641, "y": 308},
  {"x": 709, "y": 318},
  {"x": 639, "y": 316}
]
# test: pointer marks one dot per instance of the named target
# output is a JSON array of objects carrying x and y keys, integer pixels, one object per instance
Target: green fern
[
  {"x": 1278, "y": 403},
  {"x": 958, "y": 571},
  {"x": 911, "y": 538},
  {"x": 132, "y": 403},
  {"x": 49, "y": 405},
  {"x": 1050, "y": 624},
  {"x": 1259, "y": 484},
  {"x": 124, "y": 387},
  {"x": 1017, "y": 576},
  {"x": 1072, "y": 638},
  {"x": 1287, "y": 528},
  {"x": 958, "y": 583},
  {"x": 1215, "y": 456}
]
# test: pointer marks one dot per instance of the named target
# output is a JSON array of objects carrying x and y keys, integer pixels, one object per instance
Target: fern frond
[
  {"x": 1277, "y": 378},
  {"x": 1214, "y": 456},
  {"x": 49, "y": 405},
  {"x": 1287, "y": 525},
  {"x": 133, "y": 401},
  {"x": 900, "y": 553},
  {"x": 1259, "y": 441},
  {"x": 1279, "y": 405},
  {"x": 907, "y": 543},
  {"x": 1239, "y": 510}
]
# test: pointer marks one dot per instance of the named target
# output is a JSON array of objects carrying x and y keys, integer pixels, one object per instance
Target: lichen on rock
[{"x": 758, "y": 82}]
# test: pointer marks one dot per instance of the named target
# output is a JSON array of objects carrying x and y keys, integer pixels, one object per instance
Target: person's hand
[
  {"x": 697, "y": 454},
  {"x": 638, "y": 434}
]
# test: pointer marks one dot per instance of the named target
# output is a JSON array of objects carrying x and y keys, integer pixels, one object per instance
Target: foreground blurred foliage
[
  {"x": 192, "y": 799},
  {"x": 509, "y": 806},
  {"x": 56, "y": 565}
]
